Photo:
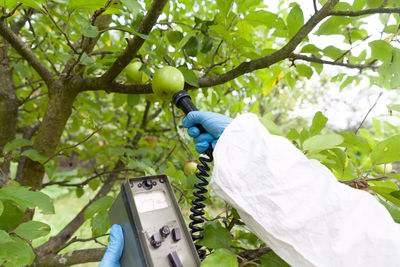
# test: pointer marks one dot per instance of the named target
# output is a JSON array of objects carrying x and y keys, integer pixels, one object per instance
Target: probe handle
[{"x": 183, "y": 101}]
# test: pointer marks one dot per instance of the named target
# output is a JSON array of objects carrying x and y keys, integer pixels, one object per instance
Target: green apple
[
  {"x": 167, "y": 81},
  {"x": 374, "y": 3},
  {"x": 190, "y": 167},
  {"x": 383, "y": 168},
  {"x": 133, "y": 75}
]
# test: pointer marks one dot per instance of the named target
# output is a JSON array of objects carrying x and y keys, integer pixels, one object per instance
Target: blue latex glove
[
  {"x": 213, "y": 123},
  {"x": 114, "y": 249}
]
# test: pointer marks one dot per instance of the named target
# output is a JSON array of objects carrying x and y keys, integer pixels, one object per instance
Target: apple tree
[{"x": 74, "y": 122}]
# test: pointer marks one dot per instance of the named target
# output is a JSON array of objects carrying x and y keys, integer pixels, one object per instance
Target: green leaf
[
  {"x": 4, "y": 238},
  {"x": 381, "y": 50},
  {"x": 132, "y": 100},
  {"x": 355, "y": 142},
  {"x": 394, "y": 212},
  {"x": 271, "y": 126},
  {"x": 216, "y": 236},
  {"x": 32, "y": 230},
  {"x": 318, "y": 123},
  {"x": 17, "y": 253},
  {"x": 192, "y": 46},
  {"x": 262, "y": 17},
  {"x": 386, "y": 151},
  {"x": 272, "y": 260},
  {"x": 221, "y": 257},
  {"x": 16, "y": 143},
  {"x": 322, "y": 142},
  {"x": 32, "y": 3},
  {"x": 310, "y": 48},
  {"x": 11, "y": 216},
  {"x": 333, "y": 25},
  {"x": 99, "y": 205},
  {"x": 292, "y": 134},
  {"x": 94, "y": 184},
  {"x": 26, "y": 198},
  {"x": 395, "y": 107},
  {"x": 333, "y": 52},
  {"x": 100, "y": 223},
  {"x": 1, "y": 207},
  {"x": 35, "y": 155},
  {"x": 133, "y": 6},
  {"x": 304, "y": 70},
  {"x": 190, "y": 77},
  {"x": 90, "y": 31},
  {"x": 295, "y": 20},
  {"x": 79, "y": 192},
  {"x": 87, "y": 4}
]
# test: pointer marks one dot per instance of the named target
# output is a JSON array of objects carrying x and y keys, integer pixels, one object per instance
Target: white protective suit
[{"x": 296, "y": 205}]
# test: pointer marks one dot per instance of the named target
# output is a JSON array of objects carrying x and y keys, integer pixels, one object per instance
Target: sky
[{"x": 347, "y": 107}]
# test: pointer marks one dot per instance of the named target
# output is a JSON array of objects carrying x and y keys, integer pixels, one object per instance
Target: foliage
[{"x": 73, "y": 123}]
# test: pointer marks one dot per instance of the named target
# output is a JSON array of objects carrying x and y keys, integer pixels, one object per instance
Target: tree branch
[
  {"x": 364, "y": 12},
  {"x": 335, "y": 63},
  {"x": 273, "y": 58},
  {"x": 136, "y": 43},
  {"x": 95, "y": 84},
  {"x": 70, "y": 258},
  {"x": 27, "y": 53}
]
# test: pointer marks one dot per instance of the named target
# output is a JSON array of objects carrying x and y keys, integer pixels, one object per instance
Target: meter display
[{"x": 150, "y": 201}]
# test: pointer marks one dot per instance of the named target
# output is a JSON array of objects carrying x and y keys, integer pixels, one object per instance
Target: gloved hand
[
  {"x": 114, "y": 249},
  {"x": 213, "y": 123}
]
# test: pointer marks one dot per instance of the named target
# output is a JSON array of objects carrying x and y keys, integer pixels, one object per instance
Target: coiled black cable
[
  {"x": 197, "y": 205},
  {"x": 183, "y": 101}
]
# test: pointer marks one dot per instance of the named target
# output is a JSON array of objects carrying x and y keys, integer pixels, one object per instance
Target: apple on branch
[{"x": 167, "y": 81}]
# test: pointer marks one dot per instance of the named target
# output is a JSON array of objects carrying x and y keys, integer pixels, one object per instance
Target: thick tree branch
[
  {"x": 70, "y": 258},
  {"x": 335, "y": 63},
  {"x": 136, "y": 43},
  {"x": 95, "y": 84},
  {"x": 27, "y": 53},
  {"x": 364, "y": 12}
]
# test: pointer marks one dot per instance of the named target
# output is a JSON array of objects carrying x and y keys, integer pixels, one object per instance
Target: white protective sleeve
[{"x": 296, "y": 205}]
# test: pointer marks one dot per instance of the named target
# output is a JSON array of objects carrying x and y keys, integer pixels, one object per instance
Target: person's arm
[{"x": 296, "y": 205}]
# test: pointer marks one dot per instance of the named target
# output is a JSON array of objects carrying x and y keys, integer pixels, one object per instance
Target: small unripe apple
[
  {"x": 133, "y": 75},
  {"x": 383, "y": 168},
  {"x": 151, "y": 140},
  {"x": 190, "y": 167},
  {"x": 174, "y": 36},
  {"x": 167, "y": 81}
]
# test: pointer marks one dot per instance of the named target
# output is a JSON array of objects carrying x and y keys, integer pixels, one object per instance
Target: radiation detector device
[{"x": 155, "y": 233}]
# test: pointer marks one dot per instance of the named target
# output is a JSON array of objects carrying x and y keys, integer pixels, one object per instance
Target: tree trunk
[
  {"x": 8, "y": 109},
  {"x": 49, "y": 133}
]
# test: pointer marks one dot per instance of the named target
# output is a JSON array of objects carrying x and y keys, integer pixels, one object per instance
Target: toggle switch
[
  {"x": 176, "y": 234},
  {"x": 155, "y": 240}
]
